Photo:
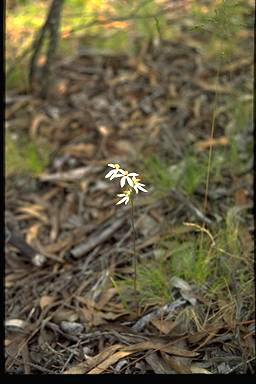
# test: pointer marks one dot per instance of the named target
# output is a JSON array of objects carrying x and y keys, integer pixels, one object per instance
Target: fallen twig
[
  {"x": 95, "y": 239},
  {"x": 73, "y": 174},
  {"x": 35, "y": 257},
  {"x": 166, "y": 309}
]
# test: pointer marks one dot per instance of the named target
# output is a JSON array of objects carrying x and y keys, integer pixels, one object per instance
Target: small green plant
[
  {"x": 18, "y": 79},
  {"x": 237, "y": 130},
  {"x": 153, "y": 282},
  {"x": 221, "y": 22},
  {"x": 194, "y": 174},
  {"x": 35, "y": 161},
  {"x": 158, "y": 171},
  {"x": 189, "y": 261},
  {"x": 24, "y": 156},
  {"x": 187, "y": 175}
]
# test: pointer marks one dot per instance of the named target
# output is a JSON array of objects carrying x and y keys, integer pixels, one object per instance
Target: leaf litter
[{"x": 64, "y": 315}]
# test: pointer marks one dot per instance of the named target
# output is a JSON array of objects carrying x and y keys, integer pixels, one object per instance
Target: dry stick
[
  {"x": 134, "y": 256},
  {"x": 96, "y": 239}
]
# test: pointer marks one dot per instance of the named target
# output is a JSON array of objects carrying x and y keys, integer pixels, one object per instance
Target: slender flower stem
[
  {"x": 210, "y": 151},
  {"x": 127, "y": 196},
  {"x": 134, "y": 254}
]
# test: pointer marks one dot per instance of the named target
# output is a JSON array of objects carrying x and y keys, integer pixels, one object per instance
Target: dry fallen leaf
[
  {"x": 211, "y": 87},
  {"x": 185, "y": 289},
  {"x": 32, "y": 233},
  {"x": 125, "y": 147},
  {"x": 109, "y": 361},
  {"x": 195, "y": 369},
  {"x": 36, "y": 121},
  {"x": 174, "y": 363},
  {"x": 15, "y": 323},
  {"x": 106, "y": 296},
  {"x": 189, "y": 296},
  {"x": 158, "y": 365},
  {"x": 10, "y": 279},
  {"x": 46, "y": 300},
  {"x": 65, "y": 315},
  {"x": 34, "y": 211},
  {"x": 94, "y": 361},
  {"x": 93, "y": 317},
  {"x": 7, "y": 342},
  {"x": 241, "y": 197},
  {"x": 59, "y": 245},
  {"x": 177, "y": 282},
  {"x": 204, "y": 144},
  {"x": 164, "y": 326},
  {"x": 161, "y": 346},
  {"x": 82, "y": 150},
  {"x": 234, "y": 65}
]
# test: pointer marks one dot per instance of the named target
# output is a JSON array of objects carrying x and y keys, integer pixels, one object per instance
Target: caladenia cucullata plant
[{"x": 127, "y": 196}]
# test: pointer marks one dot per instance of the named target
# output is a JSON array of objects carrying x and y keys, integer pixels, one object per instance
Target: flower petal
[
  {"x": 121, "y": 194},
  {"x": 109, "y": 173},
  {"x": 136, "y": 188},
  {"x": 122, "y": 182},
  {"x": 122, "y": 200},
  {"x": 129, "y": 181},
  {"x": 114, "y": 174},
  {"x": 122, "y": 171},
  {"x": 133, "y": 174},
  {"x": 111, "y": 165},
  {"x": 127, "y": 200},
  {"x": 141, "y": 188}
]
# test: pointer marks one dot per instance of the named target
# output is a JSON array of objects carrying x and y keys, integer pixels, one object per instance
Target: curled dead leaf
[
  {"x": 15, "y": 323},
  {"x": 65, "y": 315}
]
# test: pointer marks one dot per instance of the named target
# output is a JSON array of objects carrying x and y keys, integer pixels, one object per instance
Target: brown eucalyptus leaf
[
  {"x": 174, "y": 363},
  {"x": 158, "y": 365},
  {"x": 46, "y": 300}
]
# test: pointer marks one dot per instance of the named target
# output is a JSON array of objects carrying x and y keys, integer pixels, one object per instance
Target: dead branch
[{"x": 97, "y": 238}]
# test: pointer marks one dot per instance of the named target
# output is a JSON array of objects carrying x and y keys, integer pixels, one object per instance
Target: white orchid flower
[
  {"x": 114, "y": 172},
  {"x": 125, "y": 197},
  {"x": 126, "y": 176},
  {"x": 138, "y": 186}
]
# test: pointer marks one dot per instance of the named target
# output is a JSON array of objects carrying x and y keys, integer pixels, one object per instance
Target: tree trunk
[{"x": 51, "y": 26}]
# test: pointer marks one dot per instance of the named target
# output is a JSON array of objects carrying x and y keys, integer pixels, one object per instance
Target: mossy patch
[{"x": 24, "y": 156}]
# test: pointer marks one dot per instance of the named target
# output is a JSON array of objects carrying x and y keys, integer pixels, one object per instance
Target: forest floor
[{"x": 70, "y": 305}]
